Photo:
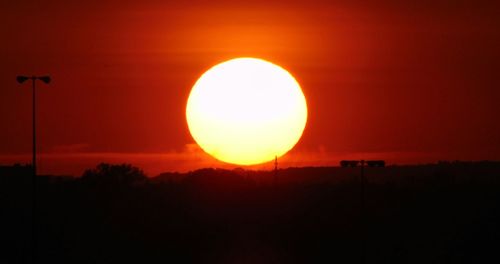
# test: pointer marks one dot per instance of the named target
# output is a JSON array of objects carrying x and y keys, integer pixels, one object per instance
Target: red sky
[{"x": 398, "y": 80}]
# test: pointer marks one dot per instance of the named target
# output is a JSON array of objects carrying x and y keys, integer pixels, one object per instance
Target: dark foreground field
[{"x": 446, "y": 213}]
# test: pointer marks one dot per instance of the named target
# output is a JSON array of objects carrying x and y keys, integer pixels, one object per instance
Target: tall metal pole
[
  {"x": 46, "y": 79},
  {"x": 275, "y": 166},
  {"x": 34, "y": 233},
  {"x": 34, "y": 127},
  {"x": 363, "y": 213}
]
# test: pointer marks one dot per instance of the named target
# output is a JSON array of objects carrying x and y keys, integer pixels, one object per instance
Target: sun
[{"x": 246, "y": 111}]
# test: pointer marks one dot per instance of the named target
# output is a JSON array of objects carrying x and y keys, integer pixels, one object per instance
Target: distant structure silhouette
[
  {"x": 375, "y": 163},
  {"x": 369, "y": 163},
  {"x": 21, "y": 79},
  {"x": 46, "y": 79},
  {"x": 355, "y": 163},
  {"x": 275, "y": 166},
  {"x": 349, "y": 163}
]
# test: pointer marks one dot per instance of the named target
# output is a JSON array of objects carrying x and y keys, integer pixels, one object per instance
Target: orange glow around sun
[{"x": 246, "y": 111}]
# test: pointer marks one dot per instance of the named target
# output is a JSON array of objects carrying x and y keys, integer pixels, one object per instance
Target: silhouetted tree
[{"x": 121, "y": 174}]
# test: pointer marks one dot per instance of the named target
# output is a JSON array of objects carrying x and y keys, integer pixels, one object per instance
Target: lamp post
[
  {"x": 20, "y": 80},
  {"x": 369, "y": 163},
  {"x": 363, "y": 211},
  {"x": 46, "y": 79}
]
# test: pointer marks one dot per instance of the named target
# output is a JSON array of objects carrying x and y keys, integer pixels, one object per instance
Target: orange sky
[{"x": 404, "y": 81}]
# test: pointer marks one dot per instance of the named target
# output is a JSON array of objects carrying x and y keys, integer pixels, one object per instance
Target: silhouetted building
[
  {"x": 375, "y": 163},
  {"x": 349, "y": 163},
  {"x": 355, "y": 163}
]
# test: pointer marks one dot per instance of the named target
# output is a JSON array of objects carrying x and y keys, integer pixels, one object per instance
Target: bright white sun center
[{"x": 246, "y": 111}]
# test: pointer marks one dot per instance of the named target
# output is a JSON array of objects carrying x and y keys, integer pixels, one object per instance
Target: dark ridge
[{"x": 447, "y": 212}]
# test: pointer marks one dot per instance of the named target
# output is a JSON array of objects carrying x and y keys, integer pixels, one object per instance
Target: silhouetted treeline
[{"x": 437, "y": 213}]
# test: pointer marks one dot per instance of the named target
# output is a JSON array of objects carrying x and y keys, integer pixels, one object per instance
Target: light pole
[
  {"x": 363, "y": 211},
  {"x": 20, "y": 80},
  {"x": 46, "y": 79},
  {"x": 369, "y": 163}
]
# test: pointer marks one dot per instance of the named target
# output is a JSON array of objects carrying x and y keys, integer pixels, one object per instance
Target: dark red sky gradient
[{"x": 408, "y": 81}]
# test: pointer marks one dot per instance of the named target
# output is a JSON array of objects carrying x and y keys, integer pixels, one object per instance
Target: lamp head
[
  {"x": 45, "y": 79},
  {"x": 20, "y": 79}
]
